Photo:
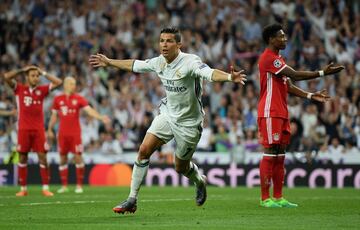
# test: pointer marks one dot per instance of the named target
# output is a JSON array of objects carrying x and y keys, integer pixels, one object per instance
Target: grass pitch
[{"x": 174, "y": 208}]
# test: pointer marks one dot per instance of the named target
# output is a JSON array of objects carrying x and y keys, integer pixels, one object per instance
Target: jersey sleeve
[
  {"x": 17, "y": 88},
  {"x": 200, "y": 69},
  {"x": 274, "y": 64},
  {"x": 55, "y": 104},
  {"x": 148, "y": 65},
  {"x": 83, "y": 102}
]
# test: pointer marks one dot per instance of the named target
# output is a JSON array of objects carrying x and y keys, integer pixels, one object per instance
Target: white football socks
[
  {"x": 193, "y": 174},
  {"x": 138, "y": 174}
]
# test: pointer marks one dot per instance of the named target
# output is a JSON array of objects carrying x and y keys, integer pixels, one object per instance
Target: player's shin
[
  {"x": 139, "y": 172},
  {"x": 63, "y": 170},
  {"x": 193, "y": 174},
  {"x": 278, "y": 176},
  {"x": 266, "y": 171},
  {"x": 44, "y": 173},
  {"x": 80, "y": 170},
  {"x": 22, "y": 171}
]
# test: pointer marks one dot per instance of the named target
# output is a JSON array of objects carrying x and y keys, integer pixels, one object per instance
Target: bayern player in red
[
  {"x": 67, "y": 106},
  {"x": 273, "y": 118},
  {"x": 31, "y": 131}
]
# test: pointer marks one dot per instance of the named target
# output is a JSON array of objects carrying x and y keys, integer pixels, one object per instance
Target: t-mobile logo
[{"x": 27, "y": 100}]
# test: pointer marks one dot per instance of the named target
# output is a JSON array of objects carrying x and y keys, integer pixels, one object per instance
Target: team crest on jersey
[
  {"x": 74, "y": 102},
  {"x": 276, "y": 136},
  {"x": 38, "y": 92},
  {"x": 61, "y": 102},
  {"x": 178, "y": 74},
  {"x": 277, "y": 63}
]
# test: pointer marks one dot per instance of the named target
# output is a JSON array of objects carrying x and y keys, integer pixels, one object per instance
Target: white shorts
[{"x": 186, "y": 138}]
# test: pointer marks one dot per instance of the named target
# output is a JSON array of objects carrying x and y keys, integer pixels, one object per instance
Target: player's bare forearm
[
  {"x": 9, "y": 77},
  {"x": 122, "y": 64},
  {"x": 55, "y": 81},
  {"x": 307, "y": 75},
  {"x": 219, "y": 75},
  {"x": 53, "y": 120},
  {"x": 296, "y": 91},
  {"x": 100, "y": 60},
  {"x": 236, "y": 77},
  {"x": 6, "y": 113},
  {"x": 92, "y": 112},
  {"x": 299, "y": 75}
]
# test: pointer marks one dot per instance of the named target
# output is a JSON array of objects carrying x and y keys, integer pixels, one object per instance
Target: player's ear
[{"x": 179, "y": 44}]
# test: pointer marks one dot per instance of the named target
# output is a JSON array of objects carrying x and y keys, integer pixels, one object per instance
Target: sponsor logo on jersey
[
  {"x": 27, "y": 100},
  {"x": 277, "y": 63}
]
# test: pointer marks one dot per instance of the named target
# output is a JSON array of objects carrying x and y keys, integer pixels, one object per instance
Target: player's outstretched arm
[
  {"x": 95, "y": 114},
  {"x": 100, "y": 60},
  {"x": 52, "y": 122},
  {"x": 233, "y": 76},
  {"x": 307, "y": 75},
  {"x": 9, "y": 76},
  {"x": 6, "y": 113},
  {"x": 319, "y": 96},
  {"x": 55, "y": 81}
]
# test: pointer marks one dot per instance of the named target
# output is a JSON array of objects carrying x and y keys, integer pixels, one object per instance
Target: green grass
[{"x": 174, "y": 208}]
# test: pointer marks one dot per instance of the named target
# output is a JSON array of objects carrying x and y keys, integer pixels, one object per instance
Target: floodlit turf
[{"x": 174, "y": 208}]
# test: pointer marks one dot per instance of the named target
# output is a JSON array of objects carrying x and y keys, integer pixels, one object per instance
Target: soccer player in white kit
[{"x": 181, "y": 113}]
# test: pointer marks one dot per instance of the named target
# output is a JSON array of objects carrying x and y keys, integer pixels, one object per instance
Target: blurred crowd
[{"x": 59, "y": 36}]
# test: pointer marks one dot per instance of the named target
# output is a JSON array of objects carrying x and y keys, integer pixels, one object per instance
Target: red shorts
[
  {"x": 70, "y": 144},
  {"x": 273, "y": 130},
  {"x": 32, "y": 141}
]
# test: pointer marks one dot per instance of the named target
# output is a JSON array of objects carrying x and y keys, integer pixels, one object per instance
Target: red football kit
[
  {"x": 68, "y": 109},
  {"x": 273, "y": 121},
  {"x": 31, "y": 131}
]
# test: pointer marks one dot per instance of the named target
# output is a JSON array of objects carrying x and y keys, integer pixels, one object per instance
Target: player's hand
[
  {"x": 29, "y": 67},
  {"x": 238, "y": 77},
  {"x": 99, "y": 60},
  {"x": 105, "y": 119},
  {"x": 321, "y": 96},
  {"x": 332, "y": 69},
  {"x": 51, "y": 134}
]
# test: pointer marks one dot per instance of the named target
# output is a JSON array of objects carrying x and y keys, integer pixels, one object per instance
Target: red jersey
[
  {"x": 68, "y": 108},
  {"x": 273, "y": 88},
  {"x": 30, "y": 106}
]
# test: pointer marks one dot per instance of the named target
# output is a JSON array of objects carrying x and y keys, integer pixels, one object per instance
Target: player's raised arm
[
  {"x": 100, "y": 60},
  {"x": 55, "y": 81},
  {"x": 307, "y": 75},
  {"x": 9, "y": 76},
  {"x": 319, "y": 96},
  {"x": 95, "y": 114}
]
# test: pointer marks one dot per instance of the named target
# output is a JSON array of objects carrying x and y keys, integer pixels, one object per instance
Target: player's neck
[
  {"x": 273, "y": 49},
  {"x": 68, "y": 93}
]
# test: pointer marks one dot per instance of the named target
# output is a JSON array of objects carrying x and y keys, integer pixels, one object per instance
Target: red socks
[
  {"x": 278, "y": 176},
  {"x": 44, "y": 173},
  {"x": 266, "y": 171},
  {"x": 80, "y": 169},
  {"x": 22, "y": 171},
  {"x": 63, "y": 170}
]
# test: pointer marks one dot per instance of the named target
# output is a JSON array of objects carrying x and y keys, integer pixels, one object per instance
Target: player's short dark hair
[
  {"x": 270, "y": 31},
  {"x": 172, "y": 30}
]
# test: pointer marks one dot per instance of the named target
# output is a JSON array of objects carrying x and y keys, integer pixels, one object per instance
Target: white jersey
[{"x": 182, "y": 80}]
